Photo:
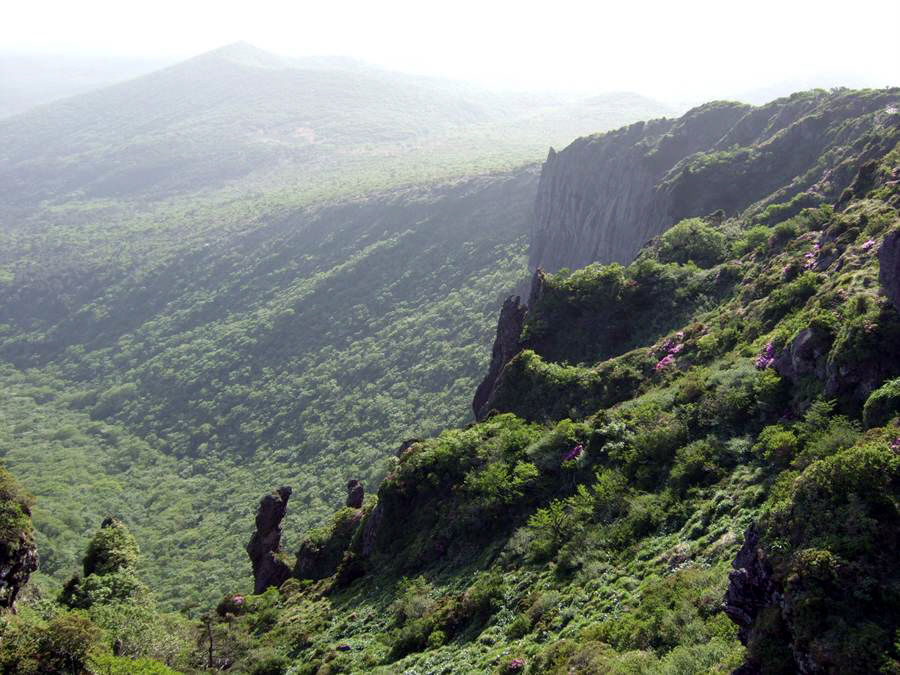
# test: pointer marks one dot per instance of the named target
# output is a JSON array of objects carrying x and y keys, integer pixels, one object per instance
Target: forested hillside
[
  {"x": 242, "y": 281},
  {"x": 299, "y": 352},
  {"x": 244, "y": 268},
  {"x": 689, "y": 464}
]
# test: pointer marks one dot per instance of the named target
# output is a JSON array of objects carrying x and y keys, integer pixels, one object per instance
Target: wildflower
[
  {"x": 869, "y": 244},
  {"x": 665, "y": 362},
  {"x": 237, "y": 599},
  {"x": 895, "y": 445},
  {"x": 574, "y": 453},
  {"x": 515, "y": 665},
  {"x": 676, "y": 349},
  {"x": 766, "y": 357}
]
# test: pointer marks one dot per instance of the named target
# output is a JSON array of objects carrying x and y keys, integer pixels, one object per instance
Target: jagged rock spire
[{"x": 265, "y": 543}]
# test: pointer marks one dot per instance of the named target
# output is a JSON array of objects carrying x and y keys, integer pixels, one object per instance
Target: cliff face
[
  {"x": 604, "y": 196},
  {"x": 18, "y": 553}
]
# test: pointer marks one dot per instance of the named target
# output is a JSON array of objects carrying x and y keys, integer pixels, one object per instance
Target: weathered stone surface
[
  {"x": 370, "y": 530},
  {"x": 604, "y": 196},
  {"x": 807, "y": 354},
  {"x": 355, "y": 494},
  {"x": 506, "y": 346},
  {"x": 265, "y": 543},
  {"x": 599, "y": 199},
  {"x": 16, "y": 567},
  {"x": 750, "y": 586},
  {"x": 889, "y": 267}
]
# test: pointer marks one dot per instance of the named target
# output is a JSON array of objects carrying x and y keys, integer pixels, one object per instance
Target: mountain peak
[{"x": 246, "y": 54}]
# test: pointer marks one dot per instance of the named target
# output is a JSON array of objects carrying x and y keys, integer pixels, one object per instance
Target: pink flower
[
  {"x": 238, "y": 599},
  {"x": 869, "y": 244},
  {"x": 895, "y": 445},
  {"x": 665, "y": 362},
  {"x": 677, "y": 348},
  {"x": 574, "y": 453},
  {"x": 514, "y": 665},
  {"x": 766, "y": 357}
]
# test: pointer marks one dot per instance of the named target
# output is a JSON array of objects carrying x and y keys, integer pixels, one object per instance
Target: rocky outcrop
[
  {"x": 355, "y": 494},
  {"x": 18, "y": 553},
  {"x": 506, "y": 346},
  {"x": 604, "y": 196},
  {"x": 806, "y": 355},
  {"x": 750, "y": 586},
  {"x": 889, "y": 267},
  {"x": 265, "y": 544},
  {"x": 16, "y": 565}
]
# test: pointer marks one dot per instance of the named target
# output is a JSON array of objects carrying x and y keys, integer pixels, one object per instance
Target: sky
[{"x": 672, "y": 50}]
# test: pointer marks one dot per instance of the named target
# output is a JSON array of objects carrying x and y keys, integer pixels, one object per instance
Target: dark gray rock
[
  {"x": 506, "y": 346},
  {"x": 265, "y": 543},
  {"x": 16, "y": 567},
  {"x": 355, "y": 494},
  {"x": 750, "y": 585},
  {"x": 889, "y": 267},
  {"x": 806, "y": 355}
]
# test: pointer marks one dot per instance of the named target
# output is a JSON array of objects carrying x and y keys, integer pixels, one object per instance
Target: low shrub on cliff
[{"x": 695, "y": 241}]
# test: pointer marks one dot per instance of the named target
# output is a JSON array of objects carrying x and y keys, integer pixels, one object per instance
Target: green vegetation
[
  {"x": 579, "y": 530},
  {"x": 741, "y": 371},
  {"x": 148, "y": 403}
]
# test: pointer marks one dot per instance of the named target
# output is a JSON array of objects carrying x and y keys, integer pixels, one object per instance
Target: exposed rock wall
[
  {"x": 265, "y": 543},
  {"x": 506, "y": 346},
  {"x": 16, "y": 566},
  {"x": 889, "y": 267},
  {"x": 604, "y": 196}
]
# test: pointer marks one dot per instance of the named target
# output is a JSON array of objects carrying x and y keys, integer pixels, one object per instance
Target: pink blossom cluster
[
  {"x": 574, "y": 453},
  {"x": 237, "y": 599},
  {"x": 869, "y": 244},
  {"x": 515, "y": 665},
  {"x": 895, "y": 445},
  {"x": 766, "y": 357},
  {"x": 671, "y": 347},
  {"x": 665, "y": 362}
]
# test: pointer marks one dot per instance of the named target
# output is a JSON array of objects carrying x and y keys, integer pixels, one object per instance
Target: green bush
[
  {"x": 698, "y": 463},
  {"x": 692, "y": 240},
  {"x": 882, "y": 404}
]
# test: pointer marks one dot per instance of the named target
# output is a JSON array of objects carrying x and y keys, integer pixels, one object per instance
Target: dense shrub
[
  {"x": 882, "y": 404},
  {"x": 693, "y": 241}
]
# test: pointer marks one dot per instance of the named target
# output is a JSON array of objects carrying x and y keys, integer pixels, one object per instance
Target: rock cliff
[
  {"x": 265, "y": 544},
  {"x": 18, "y": 553},
  {"x": 604, "y": 196}
]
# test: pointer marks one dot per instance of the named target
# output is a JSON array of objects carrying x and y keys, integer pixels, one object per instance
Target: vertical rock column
[{"x": 265, "y": 543}]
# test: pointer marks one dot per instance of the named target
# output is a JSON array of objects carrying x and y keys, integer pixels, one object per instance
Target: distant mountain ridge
[{"x": 239, "y": 114}]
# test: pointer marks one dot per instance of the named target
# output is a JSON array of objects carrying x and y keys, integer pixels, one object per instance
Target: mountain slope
[
  {"x": 720, "y": 491},
  {"x": 302, "y": 348},
  {"x": 244, "y": 266}
]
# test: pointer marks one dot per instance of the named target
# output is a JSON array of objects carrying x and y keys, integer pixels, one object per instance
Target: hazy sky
[{"x": 673, "y": 49}]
